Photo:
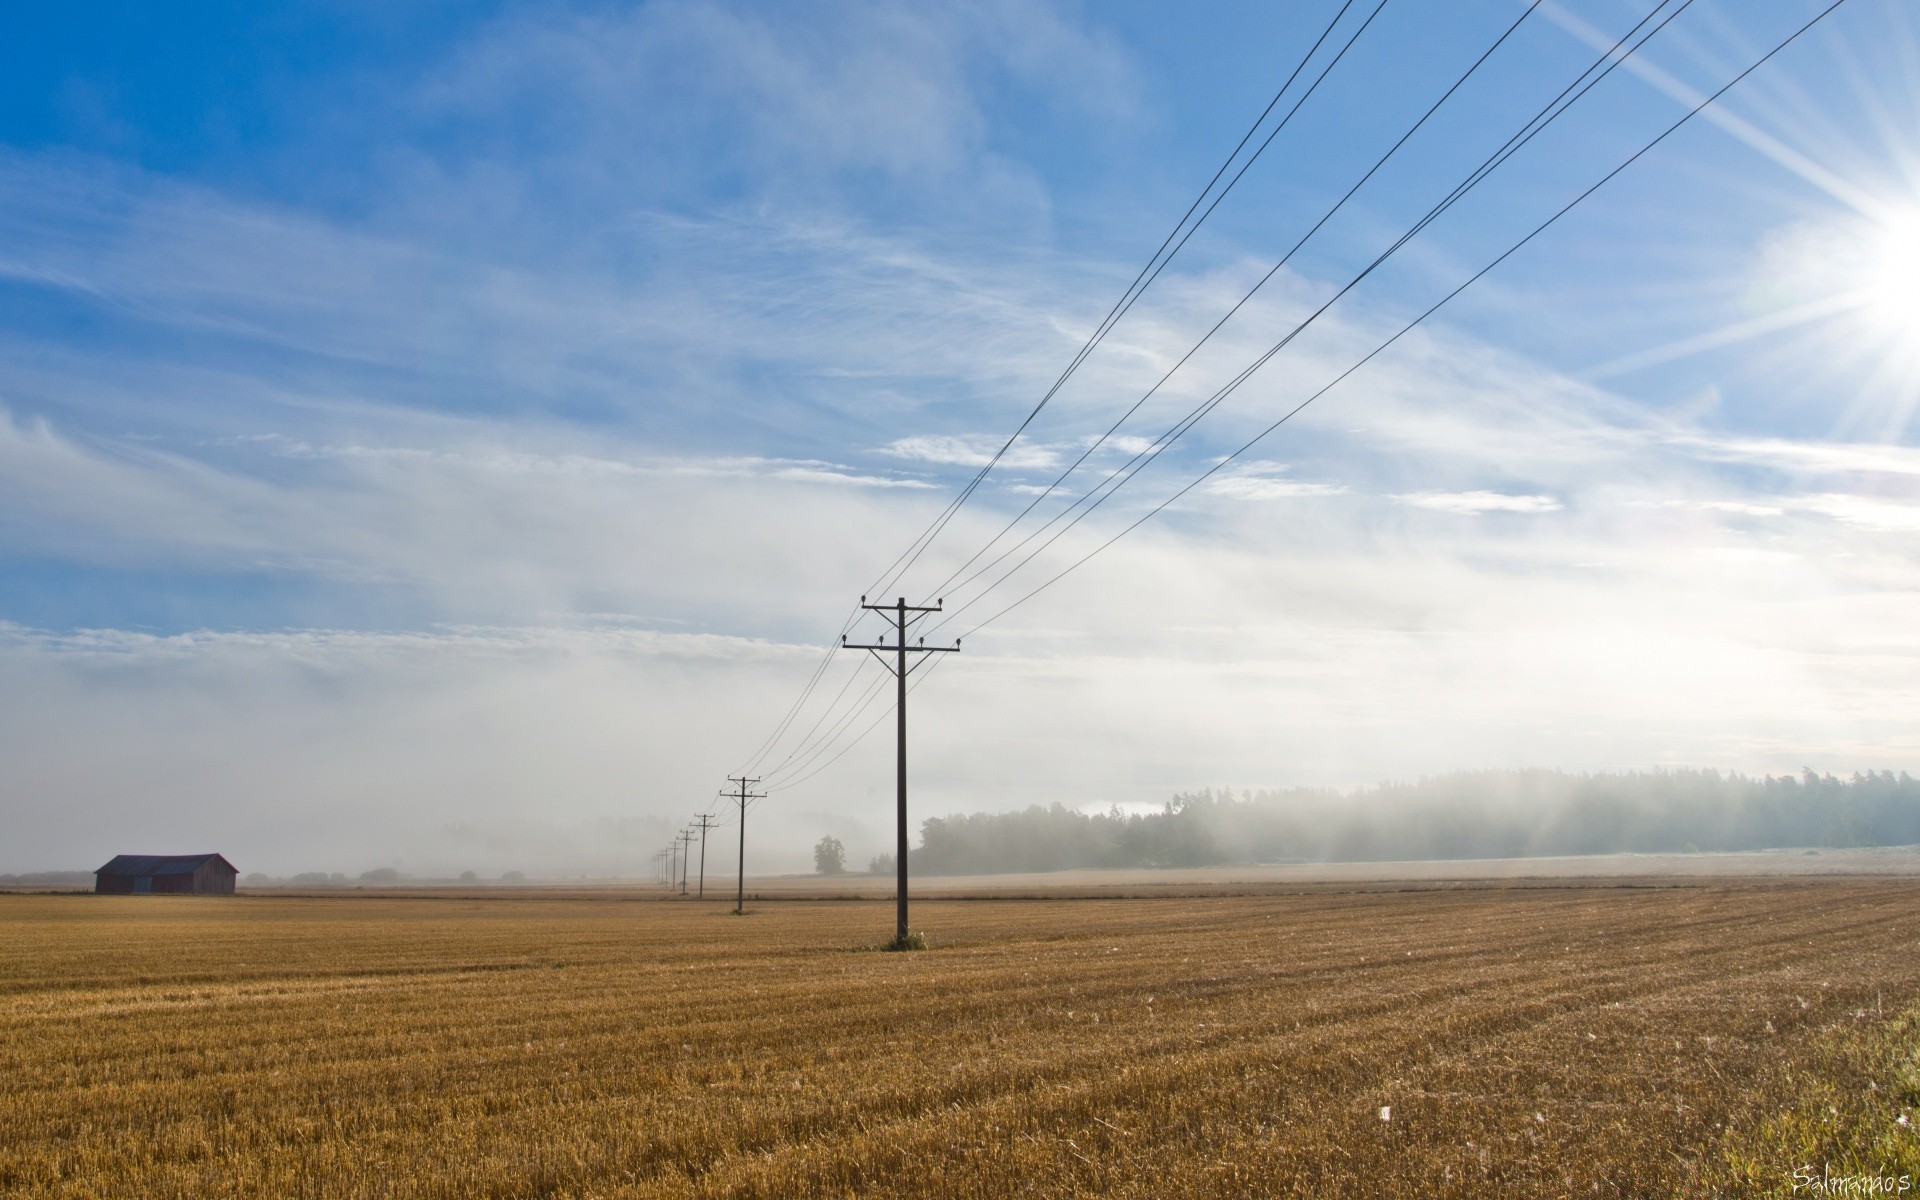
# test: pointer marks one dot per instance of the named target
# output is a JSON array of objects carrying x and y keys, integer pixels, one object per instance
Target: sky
[{"x": 451, "y": 436}]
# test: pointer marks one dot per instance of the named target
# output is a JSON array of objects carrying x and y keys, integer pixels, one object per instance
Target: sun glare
[
  {"x": 1842, "y": 298},
  {"x": 1890, "y": 293}
]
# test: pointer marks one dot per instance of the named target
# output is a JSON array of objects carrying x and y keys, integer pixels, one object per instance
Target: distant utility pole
[
  {"x": 703, "y": 822},
  {"x": 684, "y": 838},
  {"x": 901, "y": 616},
  {"x": 741, "y": 797}
]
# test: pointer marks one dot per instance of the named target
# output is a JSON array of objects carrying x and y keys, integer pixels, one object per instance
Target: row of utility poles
[
  {"x": 893, "y": 655},
  {"x": 673, "y": 862}
]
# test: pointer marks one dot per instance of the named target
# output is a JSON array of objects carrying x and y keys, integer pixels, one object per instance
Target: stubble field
[{"x": 1579, "y": 1040}]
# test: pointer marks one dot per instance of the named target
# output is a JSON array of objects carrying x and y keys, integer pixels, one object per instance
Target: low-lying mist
[{"x": 1470, "y": 814}]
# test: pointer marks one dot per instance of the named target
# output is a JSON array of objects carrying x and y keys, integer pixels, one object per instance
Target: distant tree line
[
  {"x": 1472, "y": 814},
  {"x": 48, "y": 879}
]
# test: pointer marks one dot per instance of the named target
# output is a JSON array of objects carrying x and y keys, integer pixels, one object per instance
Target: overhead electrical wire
[
  {"x": 1102, "y": 440},
  {"x": 800, "y": 747},
  {"x": 871, "y": 726},
  {"x": 1143, "y": 280},
  {"x": 1528, "y": 132},
  {"x": 1120, "y": 476},
  {"x": 1324, "y": 218},
  {"x": 810, "y": 751},
  {"x": 1409, "y": 326},
  {"x": 1513, "y": 144}
]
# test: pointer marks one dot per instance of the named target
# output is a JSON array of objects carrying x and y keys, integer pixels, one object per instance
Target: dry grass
[
  {"x": 1849, "y": 1128},
  {"x": 1578, "y": 1041}
]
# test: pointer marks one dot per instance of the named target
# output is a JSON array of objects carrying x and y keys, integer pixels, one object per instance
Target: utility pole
[
  {"x": 741, "y": 797},
  {"x": 901, "y": 616},
  {"x": 703, "y": 822},
  {"x": 684, "y": 838}
]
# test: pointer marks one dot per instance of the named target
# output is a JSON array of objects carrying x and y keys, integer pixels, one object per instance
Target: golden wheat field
[{"x": 1582, "y": 1040}]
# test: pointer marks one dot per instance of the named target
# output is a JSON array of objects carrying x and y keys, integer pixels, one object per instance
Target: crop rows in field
[{"x": 1527, "y": 1042}]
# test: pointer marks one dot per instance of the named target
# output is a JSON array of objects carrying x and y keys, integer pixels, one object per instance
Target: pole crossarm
[{"x": 901, "y": 616}]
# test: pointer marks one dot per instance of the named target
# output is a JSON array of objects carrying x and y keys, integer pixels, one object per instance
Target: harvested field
[
  {"x": 1242, "y": 879},
  {"x": 1540, "y": 1041}
]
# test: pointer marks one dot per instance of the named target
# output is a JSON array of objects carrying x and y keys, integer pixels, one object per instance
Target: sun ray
[
  {"x": 1731, "y": 334},
  {"x": 1854, "y": 197}
]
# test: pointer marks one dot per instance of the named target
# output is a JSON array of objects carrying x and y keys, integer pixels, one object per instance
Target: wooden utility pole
[
  {"x": 901, "y": 616},
  {"x": 703, "y": 822},
  {"x": 742, "y": 797},
  {"x": 685, "y": 839}
]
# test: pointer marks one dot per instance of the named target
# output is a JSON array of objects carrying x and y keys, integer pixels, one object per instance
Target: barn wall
[{"x": 212, "y": 879}]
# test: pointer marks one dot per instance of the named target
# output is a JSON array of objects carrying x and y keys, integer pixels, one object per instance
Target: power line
[
  {"x": 808, "y": 750},
  {"x": 1120, "y": 308},
  {"x": 806, "y": 740},
  {"x": 1532, "y": 127},
  {"x": 1539, "y": 229},
  {"x": 948, "y": 584},
  {"x": 864, "y": 733},
  {"x": 1135, "y": 289},
  {"x": 1278, "y": 265},
  {"x": 801, "y": 749},
  {"x": 1120, "y": 476},
  {"x": 1546, "y": 116}
]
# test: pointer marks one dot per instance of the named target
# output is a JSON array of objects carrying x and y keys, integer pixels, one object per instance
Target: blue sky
[{"x": 448, "y": 435}]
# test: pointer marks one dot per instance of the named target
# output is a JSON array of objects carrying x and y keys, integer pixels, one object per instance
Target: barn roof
[{"x": 159, "y": 864}]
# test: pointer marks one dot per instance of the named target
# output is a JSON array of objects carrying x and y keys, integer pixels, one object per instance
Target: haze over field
[{"x": 448, "y": 438}]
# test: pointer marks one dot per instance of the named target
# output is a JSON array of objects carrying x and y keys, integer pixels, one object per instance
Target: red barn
[{"x": 136, "y": 874}]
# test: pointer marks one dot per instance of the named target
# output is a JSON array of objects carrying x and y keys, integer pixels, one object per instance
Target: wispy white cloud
[
  {"x": 1745, "y": 508},
  {"x": 1867, "y": 513},
  {"x": 1475, "y": 503},
  {"x": 802, "y": 470},
  {"x": 481, "y": 527},
  {"x": 971, "y": 451},
  {"x": 691, "y": 88},
  {"x": 1268, "y": 481},
  {"x": 1807, "y": 457}
]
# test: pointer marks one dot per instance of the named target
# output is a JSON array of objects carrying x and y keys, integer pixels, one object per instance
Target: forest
[{"x": 1470, "y": 814}]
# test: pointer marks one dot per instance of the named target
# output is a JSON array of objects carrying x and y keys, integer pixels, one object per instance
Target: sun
[
  {"x": 1889, "y": 290},
  {"x": 1840, "y": 297},
  {"x": 1879, "y": 283}
]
